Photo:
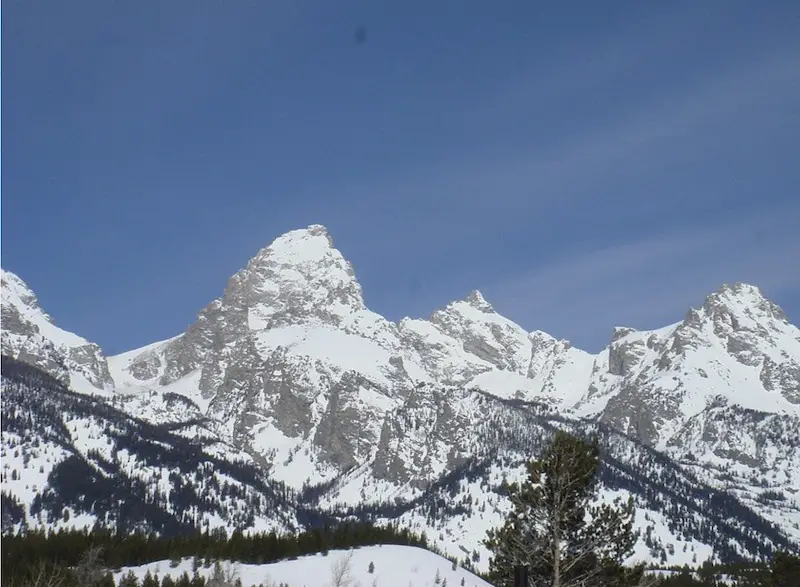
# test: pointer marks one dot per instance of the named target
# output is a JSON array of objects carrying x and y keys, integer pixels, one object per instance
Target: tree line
[{"x": 25, "y": 555}]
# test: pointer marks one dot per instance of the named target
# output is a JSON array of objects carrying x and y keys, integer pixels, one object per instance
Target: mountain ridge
[{"x": 292, "y": 368}]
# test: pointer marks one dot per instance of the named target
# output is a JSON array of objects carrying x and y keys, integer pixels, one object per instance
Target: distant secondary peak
[
  {"x": 621, "y": 332},
  {"x": 13, "y": 287},
  {"x": 739, "y": 296},
  {"x": 477, "y": 301}
]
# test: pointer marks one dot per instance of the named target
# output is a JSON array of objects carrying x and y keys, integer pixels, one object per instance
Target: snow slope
[{"x": 394, "y": 566}]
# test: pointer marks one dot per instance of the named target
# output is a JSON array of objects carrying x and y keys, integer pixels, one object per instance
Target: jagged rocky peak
[
  {"x": 21, "y": 313},
  {"x": 29, "y": 335},
  {"x": 485, "y": 334},
  {"x": 742, "y": 300},
  {"x": 541, "y": 341},
  {"x": 477, "y": 301},
  {"x": 620, "y": 332},
  {"x": 741, "y": 318},
  {"x": 14, "y": 287},
  {"x": 625, "y": 351},
  {"x": 300, "y": 277}
]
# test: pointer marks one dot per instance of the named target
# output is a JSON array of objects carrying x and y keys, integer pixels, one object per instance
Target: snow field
[{"x": 394, "y": 566}]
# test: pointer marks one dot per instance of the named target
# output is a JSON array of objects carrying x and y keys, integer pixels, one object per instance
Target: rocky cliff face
[
  {"x": 29, "y": 335},
  {"x": 294, "y": 369},
  {"x": 738, "y": 346}
]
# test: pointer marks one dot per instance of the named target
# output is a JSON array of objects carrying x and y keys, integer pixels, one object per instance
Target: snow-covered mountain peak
[
  {"x": 743, "y": 301},
  {"x": 300, "y": 246},
  {"x": 289, "y": 365},
  {"x": 299, "y": 282},
  {"x": 17, "y": 292},
  {"x": 301, "y": 276},
  {"x": 620, "y": 332},
  {"x": 477, "y": 301},
  {"x": 741, "y": 319},
  {"x": 22, "y": 313},
  {"x": 29, "y": 334}
]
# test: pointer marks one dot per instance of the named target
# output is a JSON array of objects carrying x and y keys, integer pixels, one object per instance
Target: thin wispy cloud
[
  {"x": 651, "y": 282},
  {"x": 521, "y": 186},
  {"x": 476, "y": 209}
]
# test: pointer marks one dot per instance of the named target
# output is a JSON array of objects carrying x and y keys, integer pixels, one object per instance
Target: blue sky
[{"x": 584, "y": 165}]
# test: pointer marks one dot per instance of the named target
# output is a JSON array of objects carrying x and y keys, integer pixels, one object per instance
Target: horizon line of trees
[{"x": 23, "y": 553}]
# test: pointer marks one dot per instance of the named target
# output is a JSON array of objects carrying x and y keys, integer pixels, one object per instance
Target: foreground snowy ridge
[{"x": 393, "y": 566}]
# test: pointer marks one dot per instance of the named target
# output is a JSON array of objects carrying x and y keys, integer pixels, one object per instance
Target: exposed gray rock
[
  {"x": 89, "y": 360},
  {"x": 624, "y": 356},
  {"x": 145, "y": 366},
  {"x": 29, "y": 335},
  {"x": 343, "y": 434},
  {"x": 12, "y": 321},
  {"x": 388, "y": 463},
  {"x": 255, "y": 378},
  {"x": 640, "y": 411},
  {"x": 477, "y": 301},
  {"x": 783, "y": 378},
  {"x": 46, "y": 358},
  {"x": 414, "y": 438}
]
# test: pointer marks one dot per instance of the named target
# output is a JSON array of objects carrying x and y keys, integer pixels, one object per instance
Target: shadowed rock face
[
  {"x": 47, "y": 359},
  {"x": 289, "y": 396},
  {"x": 14, "y": 322},
  {"x": 146, "y": 366},
  {"x": 640, "y": 411},
  {"x": 29, "y": 335},
  {"x": 429, "y": 433},
  {"x": 624, "y": 355},
  {"x": 91, "y": 362},
  {"x": 783, "y": 378},
  {"x": 342, "y": 435}
]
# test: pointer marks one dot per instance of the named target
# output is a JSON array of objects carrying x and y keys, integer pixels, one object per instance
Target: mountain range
[{"x": 288, "y": 401}]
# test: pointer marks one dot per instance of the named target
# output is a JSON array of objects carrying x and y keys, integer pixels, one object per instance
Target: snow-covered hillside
[
  {"x": 71, "y": 460},
  {"x": 290, "y": 368},
  {"x": 391, "y": 566}
]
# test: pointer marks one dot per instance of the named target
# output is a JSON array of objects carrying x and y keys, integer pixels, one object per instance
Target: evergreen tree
[
  {"x": 785, "y": 570},
  {"x": 371, "y": 568},
  {"x": 149, "y": 581},
  {"x": 89, "y": 572},
  {"x": 129, "y": 580},
  {"x": 547, "y": 530}
]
